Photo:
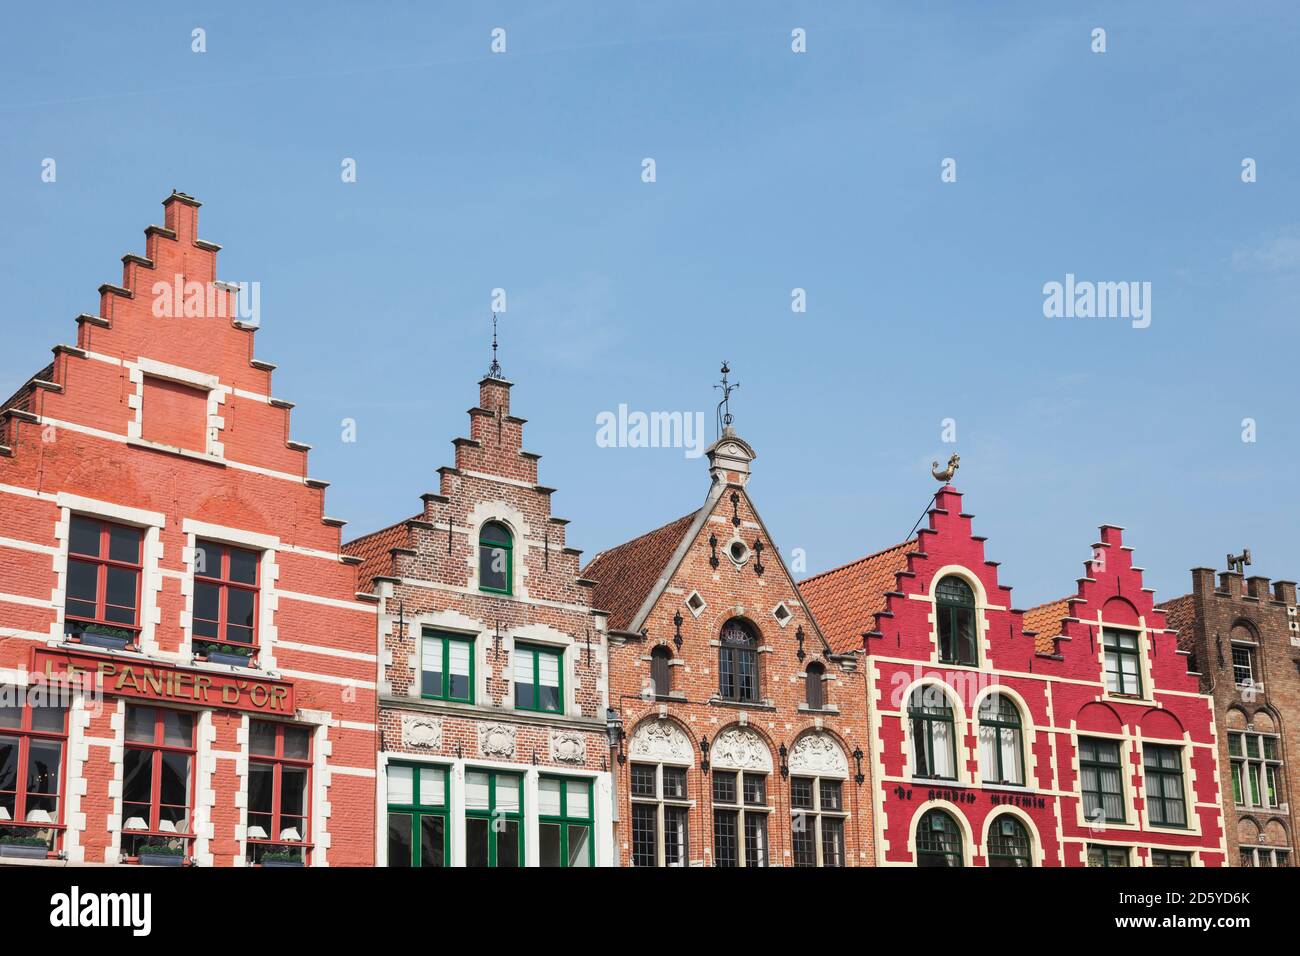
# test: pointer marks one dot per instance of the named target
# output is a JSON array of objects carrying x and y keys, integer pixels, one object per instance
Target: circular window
[{"x": 738, "y": 552}]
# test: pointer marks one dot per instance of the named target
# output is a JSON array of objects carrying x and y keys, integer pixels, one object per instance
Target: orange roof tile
[
  {"x": 844, "y": 601},
  {"x": 626, "y": 575},
  {"x": 1046, "y": 620},
  {"x": 374, "y": 550},
  {"x": 1180, "y": 614}
]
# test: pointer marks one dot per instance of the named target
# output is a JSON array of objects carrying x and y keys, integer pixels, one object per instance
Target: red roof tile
[
  {"x": 22, "y": 399},
  {"x": 1046, "y": 620},
  {"x": 845, "y": 600},
  {"x": 626, "y": 575},
  {"x": 374, "y": 550},
  {"x": 1180, "y": 615}
]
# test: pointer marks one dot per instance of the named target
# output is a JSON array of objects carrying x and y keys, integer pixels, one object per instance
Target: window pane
[
  {"x": 756, "y": 839},
  {"x": 433, "y": 786},
  {"x": 140, "y": 724},
  {"x": 579, "y": 846},
  {"x": 548, "y": 799},
  {"x": 121, "y": 588},
  {"x": 459, "y": 653},
  {"x": 44, "y": 758},
  {"x": 507, "y": 793},
  {"x": 675, "y": 783},
  {"x": 239, "y": 610},
  {"x": 137, "y": 776},
  {"x": 476, "y": 842},
  {"x": 11, "y": 715},
  {"x": 548, "y": 844},
  {"x": 643, "y": 835},
  {"x": 433, "y": 841},
  {"x": 508, "y": 843},
  {"x": 726, "y": 846},
  {"x": 399, "y": 838},
  {"x": 803, "y": 840},
  {"x": 801, "y": 793},
  {"x": 755, "y": 790},
  {"x": 261, "y": 735},
  {"x": 124, "y": 544},
  {"x": 643, "y": 780},
  {"x": 82, "y": 581},
  {"x": 243, "y": 566},
  {"x": 261, "y": 790},
  {"x": 476, "y": 790},
  {"x": 293, "y": 795},
  {"x": 579, "y": 802},
  {"x": 401, "y": 785},
  {"x": 724, "y": 787},
  {"x": 49, "y": 719},
  {"x": 676, "y": 837},
  {"x": 492, "y": 568},
  {"x": 832, "y": 795},
  {"x": 174, "y": 786},
  {"x": 178, "y": 728},
  {"x": 297, "y": 743},
  {"x": 431, "y": 664},
  {"x": 83, "y": 536}
]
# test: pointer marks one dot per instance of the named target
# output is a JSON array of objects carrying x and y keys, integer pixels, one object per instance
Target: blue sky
[{"x": 774, "y": 171}]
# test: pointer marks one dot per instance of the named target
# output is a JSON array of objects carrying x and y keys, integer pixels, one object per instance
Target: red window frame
[
  {"x": 157, "y": 748},
  {"x": 222, "y": 581},
  {"x": 25, "y": 734},
  {"x": 102, "y": 563},
  {"x": 278, "y": 762}
]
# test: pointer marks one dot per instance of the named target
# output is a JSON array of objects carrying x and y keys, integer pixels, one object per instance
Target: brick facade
[
  {"x": 429, "y": 577},
  {"x": 1245, "y": 640},
  {"x": 156, "y": 439},
  {"x": 685, "y": 593},
  {"x": 1016, "y": 798}
]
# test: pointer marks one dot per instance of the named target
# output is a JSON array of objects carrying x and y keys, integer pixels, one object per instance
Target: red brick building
[
  {"x": 493, "y": 683},
  {"x": 1245, "y": 641},
  {"x": 1071, "y": 734},
  {"x": 187, "y": 672},
  {"x": 743, "y": 733}
]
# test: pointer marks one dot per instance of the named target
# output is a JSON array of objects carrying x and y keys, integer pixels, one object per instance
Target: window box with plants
[
  {"x": 161, "y": 854},
  {"x": 281, "y": 858},
  {"x": 233, "y": 655},
  {"x": 101, "y": 635},
  {"x": 23, "y": 847}
]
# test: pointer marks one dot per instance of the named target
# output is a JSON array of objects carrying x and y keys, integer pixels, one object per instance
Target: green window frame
[
  {"x": 1108, "y": 856},
  {"x": 939, "y": 841},
  {"x": 418, "y": 810},
  {"x": 452, "y": 653},
  {"x": 494, "y": 818},
  {"x": 1010, "y": 844},
  {"x": 1166, "y": 801},
  {"x": 1101, "y": 778},
  {"x": 934, "y": 734},
  {"x": 571, "y": 800},
  {"x": 1001, "y": 741},
  {"x": 954, "y": 607},
  {"x": 530, "y": 692},
  {"x": 494, "y": 538},
  {"x": 1122, "y": 651}
]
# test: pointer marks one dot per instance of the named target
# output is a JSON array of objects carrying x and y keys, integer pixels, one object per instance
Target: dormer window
[
  {"x": 1123, "y": 668},
  {"x": 495, "y": 558},
  {"x": 954, "y": 607}
]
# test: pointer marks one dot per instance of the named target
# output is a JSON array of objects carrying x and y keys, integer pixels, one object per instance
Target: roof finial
[
  {"x": 946, "y": 475},
  {"x": 724, "y": 406},
  {"x": 494, "y": 370},
  {"x": 1238, "y": 562}
]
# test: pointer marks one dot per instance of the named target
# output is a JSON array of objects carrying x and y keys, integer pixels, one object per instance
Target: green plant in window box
[
  {"x": 280, "y": 858},
  {"x": 161, "y": 854},
  {"x": 20, "y": 845},
  {"x": 236, "y": 655},
  {"x": 103, "y": 635}
]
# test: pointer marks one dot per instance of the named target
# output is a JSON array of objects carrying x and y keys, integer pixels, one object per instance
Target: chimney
[
  {"x": 1202, "y": 581},
  {"x": 729, "y": 458},
  {"x": 1257, "y": 587}
]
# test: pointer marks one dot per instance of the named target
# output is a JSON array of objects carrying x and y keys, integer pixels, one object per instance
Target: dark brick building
[{"x": 1245, "y": 642}]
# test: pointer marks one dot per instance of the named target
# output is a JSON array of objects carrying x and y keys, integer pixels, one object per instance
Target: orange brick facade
[
  {"x": 158, "y": 433},
  {"x": 691, "y": 749}
]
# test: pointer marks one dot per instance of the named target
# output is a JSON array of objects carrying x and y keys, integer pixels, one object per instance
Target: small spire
[
  {"x": 724, "y": 406},
  {"x": 494, "y": 370}
]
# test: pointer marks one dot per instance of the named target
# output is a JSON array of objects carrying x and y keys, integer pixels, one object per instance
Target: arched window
[
  {"x": 815, "y": 686},
  {"x": 495, "y": 558},
  {"x": 1009, "y": 843},
  {"x": 661, "y": 671},
  {"x": 1001, "y": 741},
  {"x": 955, "y": 609},
  {"x": 938, "y": 840},
  {"x": 934, "y": 744},
  {"x": 738, "y": 663}
]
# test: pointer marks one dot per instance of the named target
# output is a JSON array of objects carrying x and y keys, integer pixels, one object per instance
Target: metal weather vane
[
  {"x": 724, "y": 406},
  {"x": 946, "y": 475},
  {"x": 494, "y": 370}
]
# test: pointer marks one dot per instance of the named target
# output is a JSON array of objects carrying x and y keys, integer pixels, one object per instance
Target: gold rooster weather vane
[{"x": 946, "y": 475}]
